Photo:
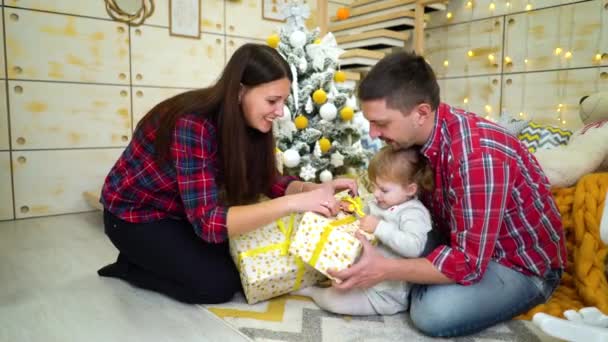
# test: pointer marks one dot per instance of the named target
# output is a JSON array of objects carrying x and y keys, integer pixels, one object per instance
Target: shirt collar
[{"x": 431, "y": 148}]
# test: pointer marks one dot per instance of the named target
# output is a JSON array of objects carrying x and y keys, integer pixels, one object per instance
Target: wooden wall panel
[
  {"x": 182, "y": 62},
  {"x": 556, "y": 38},
  {"x": 4, "y": 142},
  {"x": 145, "y": 98},
  {"x": 42, "y": 117},
  {"x": 542, "y": 96},
  {"x": 56, "y": 47},
  {"x": 233, "y": 43},
  {"x": 244, "y": 18},
  {"x": 461, "y": 11},
  {"x": 2, "y": 60},
  {"x": 61, "y": 189},
  {"x": 212, "y": 15},
  {"x": 447, "y": 48},
  {"x": 96, "y": 9},
  {"x": 480, "y": 95},
  {"x": 6, "y": 191}
]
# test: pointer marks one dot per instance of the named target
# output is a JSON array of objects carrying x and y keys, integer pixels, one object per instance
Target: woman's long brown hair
[{"x": 246, "y": 155}]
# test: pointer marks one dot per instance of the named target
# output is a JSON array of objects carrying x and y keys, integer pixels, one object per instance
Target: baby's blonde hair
[{"x": 402, "y": 166}]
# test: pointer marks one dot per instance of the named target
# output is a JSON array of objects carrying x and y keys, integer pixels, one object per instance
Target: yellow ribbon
[
  {"x": 356, "y": 204},
  {"x": 283, "y": 248},
  {"x": 325, "y": 235}
]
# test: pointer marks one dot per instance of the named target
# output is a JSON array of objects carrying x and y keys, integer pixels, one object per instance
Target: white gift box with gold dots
[
  {"x": 328, "y": 243},
  {"x": 266, "y": 267}
]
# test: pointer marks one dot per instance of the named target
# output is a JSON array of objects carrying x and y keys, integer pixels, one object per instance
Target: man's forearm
[{"x": 419, "y": 271}]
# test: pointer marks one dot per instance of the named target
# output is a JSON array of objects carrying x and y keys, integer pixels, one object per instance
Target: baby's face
[{"x": 388, "y": 193}]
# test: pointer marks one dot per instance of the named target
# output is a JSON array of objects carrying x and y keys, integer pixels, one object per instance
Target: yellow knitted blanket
[{"x": 584, "y": 281}]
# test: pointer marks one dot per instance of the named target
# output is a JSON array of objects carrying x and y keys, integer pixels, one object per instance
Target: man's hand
[
  {"x": 368, "y": 223},
  {"x": 366, "y": 273}
]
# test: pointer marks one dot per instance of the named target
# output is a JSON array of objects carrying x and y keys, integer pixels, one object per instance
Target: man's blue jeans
[{"x": 455, "y": 310}]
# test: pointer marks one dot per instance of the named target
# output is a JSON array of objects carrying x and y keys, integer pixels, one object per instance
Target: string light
[
  {"x": 446, "y": 63},
  {"x": 558, "y": 51},
  {"x": 465, "y": 100},
  {"x": 568, "y": 55},
  {"x": 492, "y": 6},
  {"x": 488, "y": 108},
  {"x": 471, "y": 53},
  {"x": 528, "y": 7},
  {"x": 598, "y": 57},
  {"x": 448, "y": 15},
  {"x": 521, "y": 114},
  {"x": 469, "y": 4},
  {"x": 526, "y": 61},
  {"x": 491, "y": 57},
  {"x": 508, "y": 4}
]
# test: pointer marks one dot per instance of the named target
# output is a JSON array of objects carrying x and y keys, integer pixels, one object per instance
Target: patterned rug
[{"x": 297, "y": 318}]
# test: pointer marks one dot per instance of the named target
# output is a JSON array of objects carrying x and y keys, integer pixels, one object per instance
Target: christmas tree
[{"x": 319, "y": 133}]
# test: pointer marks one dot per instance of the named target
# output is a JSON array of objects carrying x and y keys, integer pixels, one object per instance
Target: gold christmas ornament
[
  {"x": 317, "y": 41},
  {"x": 340, "y": 76},
  {"x": 324, "y": 144},
  {"x": 273, "y": 40},
  {"x": 347, "y": 113},
  {"x": 301, "y": 122},
  {"x": 319, "y": 96}
]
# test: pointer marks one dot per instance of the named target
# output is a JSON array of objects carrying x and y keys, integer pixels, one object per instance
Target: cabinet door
[
  {"x": 94, "y": 116},
  {"x": 480, "y": 95},
  {"x": 45, "y": 46},
  {"x": 6, "y": 188},
  {"x": 571, "y": 36},
  {"x": 244, "y": 18},
  {"x": 60, "y": 188},
  {"x": 467, "y": 49},
  {"x": 145, "y": 98},
  {"x": 551, "y": 97},
  {"x": 181, "y": 63}
]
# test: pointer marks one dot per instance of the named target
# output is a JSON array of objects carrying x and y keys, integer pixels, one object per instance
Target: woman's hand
[
  {"x": 340, "y": 184},
  {"x": 320, "y": 200}
]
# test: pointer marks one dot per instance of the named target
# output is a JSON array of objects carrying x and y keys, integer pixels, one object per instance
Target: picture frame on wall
[
  {"x": 185, "y": 18},
  {"x": 271, "y": 10}
]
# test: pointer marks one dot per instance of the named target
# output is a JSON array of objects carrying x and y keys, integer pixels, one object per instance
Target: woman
[{"x": 193, "y": 175}]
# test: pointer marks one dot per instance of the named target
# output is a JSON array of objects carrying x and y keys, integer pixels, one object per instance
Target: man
[{"x": 505, "y": 248}]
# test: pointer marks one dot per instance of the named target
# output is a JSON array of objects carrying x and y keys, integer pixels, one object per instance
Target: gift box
[
  {"x": 266, "y": 268},
  {"x": 328, "y": 243}
]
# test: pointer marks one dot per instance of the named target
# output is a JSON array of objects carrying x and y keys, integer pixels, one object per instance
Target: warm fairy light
[
  {"x": 528, "y": 7},
  {"x": 469, "y": 4},
  {"x": 563, "y": 122},
  {"x": 491, "y": 57},
  {"x": 446, "y": 63},
  {"x": 508, "y": 59},
  {"x": 470, "y": 53},
  {"x": 492, "y": 6},
  {"x": 449, "y": 15},
  {"x": 488, "y": 108},
  {"x": 508, "y": 4},
  {"x": 558, "y": 51},
  {"x": 465, "y": 100},
  {"x": 598, "y": 57},
  {"x": 521, "y": 114},
  {"x": 568, "y": 55},
  {"x": 526, "y": 61},
  {"x": 487, "y": 117}
]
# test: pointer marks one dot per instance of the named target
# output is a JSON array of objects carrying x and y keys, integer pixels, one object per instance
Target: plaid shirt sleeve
[
  {"x": 194, "y": 150},
  {"x": 478, "y": 194}
]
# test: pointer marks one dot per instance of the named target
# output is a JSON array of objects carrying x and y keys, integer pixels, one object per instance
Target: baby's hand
[
  {"x": 346, "y": 207},
  {"x": 369, "y": 223}
]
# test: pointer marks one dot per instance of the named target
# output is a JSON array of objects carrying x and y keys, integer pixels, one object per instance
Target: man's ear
[
  {"x": 423, "y": 113},
  {"x": 411, "y": 189}
]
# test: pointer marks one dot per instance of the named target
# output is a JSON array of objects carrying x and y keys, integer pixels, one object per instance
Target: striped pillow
[{"x": 537, "y": 136}]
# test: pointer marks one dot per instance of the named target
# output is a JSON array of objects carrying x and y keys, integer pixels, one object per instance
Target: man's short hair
[{"x": 404, "y": 79}]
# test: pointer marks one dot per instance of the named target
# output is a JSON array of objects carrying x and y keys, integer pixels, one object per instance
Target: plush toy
[{"x": 587, "y": 149}]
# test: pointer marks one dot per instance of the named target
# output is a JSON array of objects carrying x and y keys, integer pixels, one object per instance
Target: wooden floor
[{"x": 50, "y": 291}]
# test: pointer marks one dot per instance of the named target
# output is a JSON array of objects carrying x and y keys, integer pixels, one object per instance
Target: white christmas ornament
[
  {"x": 325, "y": 176},
  {"x": 308, "y": 107},
  {"x": 291, "y": 158},
  {"x": 297, "y": 39},
  {"x": 337, "y": 159},
  {"x": 327, "y": 48},
  {"x": 307, "y": 172},
  {"x": 328, "y": 111},
  {"x": 352, "y": 103}
]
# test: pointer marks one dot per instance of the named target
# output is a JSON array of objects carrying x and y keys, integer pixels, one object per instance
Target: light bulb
[
  {"x": 528, "y": 7},
  {"x": 446, "y": 63},
  {"x": 470, "y": 53},
  {"x": 526, "y": 61},
  {"x": 449, "y": 15},
  {"x": 563, "y": 122},
  {"x": 469, "y": 4},
  {"x": 492, "y": 6},
  {"x": 491, "y": 57},
  {"x": 521, "y": 114},
  {"x": 558, "y": 51},
  {"x": 568, "y": 55},
  {"x": 508, "y": 59},
  {"x": 465, "y": 100},
  {"x": 598, "y": 57},
  {"x": 508, "y": 4},
  {"x": 488, "y": 108}
]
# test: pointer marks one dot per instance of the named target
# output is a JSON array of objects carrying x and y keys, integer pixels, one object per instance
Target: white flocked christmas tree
[{"x": 319, "y": 133}]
